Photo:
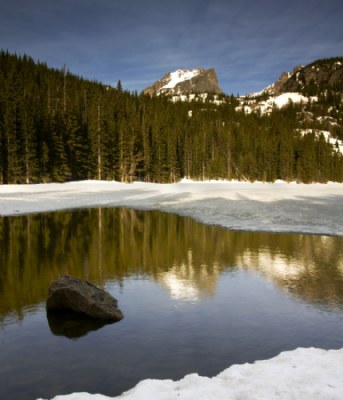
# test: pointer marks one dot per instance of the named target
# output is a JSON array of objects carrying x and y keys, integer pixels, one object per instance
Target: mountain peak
[{"x": 185, "y": 81}]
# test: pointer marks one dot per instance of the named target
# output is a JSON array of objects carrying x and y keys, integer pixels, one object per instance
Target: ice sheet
[{"x": 276, "y": 207}]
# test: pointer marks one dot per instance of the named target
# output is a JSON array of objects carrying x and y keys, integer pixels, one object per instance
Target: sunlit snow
[
  {"x": 336, "y": 143},
  {"x": 306, "y": 374},
  {"x": 274, "y": 207},
  {"x": 178, "y": 76},
  {"x": 199, "y": 97},
  {"x": 251, "y": 104}
]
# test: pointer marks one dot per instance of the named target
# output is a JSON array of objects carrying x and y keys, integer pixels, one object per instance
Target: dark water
[{"x": 196, "y": 298}]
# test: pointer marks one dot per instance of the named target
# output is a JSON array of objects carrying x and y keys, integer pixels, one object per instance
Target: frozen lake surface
[{"x": 271, "y": 207}]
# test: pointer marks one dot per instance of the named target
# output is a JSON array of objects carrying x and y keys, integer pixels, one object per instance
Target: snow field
[{"x": 274, "y": 207}]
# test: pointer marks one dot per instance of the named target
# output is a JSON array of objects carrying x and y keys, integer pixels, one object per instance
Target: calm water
[{"x": 196, "y": 298}]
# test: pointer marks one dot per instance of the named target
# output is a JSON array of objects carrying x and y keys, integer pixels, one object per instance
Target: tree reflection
[{"x": 186, "y": 257}]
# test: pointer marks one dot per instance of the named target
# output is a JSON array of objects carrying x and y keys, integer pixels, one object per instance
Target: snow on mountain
[
  {"x": 273, "y": 88},
  {"x": 317, "y": 76},
  {"x": 336, "y": 143},
  {"x": 252, "y": 103},
  {"x": 294, "y": 87},
  {"x": 179, "y": 76},
  {"x": 201, "y": 97},
  {"x": 185, "y": 82}
]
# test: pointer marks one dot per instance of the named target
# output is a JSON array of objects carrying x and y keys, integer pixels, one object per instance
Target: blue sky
[{"x": 248, "y": 42}]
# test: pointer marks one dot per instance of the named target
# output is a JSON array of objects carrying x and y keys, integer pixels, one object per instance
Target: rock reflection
[
  {"x": 184, "y": 256},
  {"x": 71, "y": 324}
]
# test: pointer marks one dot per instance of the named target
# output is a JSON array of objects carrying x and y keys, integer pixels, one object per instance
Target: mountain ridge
[{"x": 321, "y": 74}]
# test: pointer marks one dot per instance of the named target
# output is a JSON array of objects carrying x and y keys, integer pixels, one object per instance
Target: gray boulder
[{"x": 84, "y": 297}]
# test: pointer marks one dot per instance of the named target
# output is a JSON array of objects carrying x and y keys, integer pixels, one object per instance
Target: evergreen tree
[{"x": 55, "y": 126}]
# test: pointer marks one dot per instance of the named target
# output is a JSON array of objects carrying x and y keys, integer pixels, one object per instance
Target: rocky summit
[
  {"x": 325, "y": 74},
  {"x": 186, "y": 81}
]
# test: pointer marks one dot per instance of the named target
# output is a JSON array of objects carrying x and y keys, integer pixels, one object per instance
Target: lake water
[{"x": 196, "y": 298}]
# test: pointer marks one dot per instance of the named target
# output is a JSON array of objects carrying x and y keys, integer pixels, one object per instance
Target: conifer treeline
[{"x": 55, "y": 126}]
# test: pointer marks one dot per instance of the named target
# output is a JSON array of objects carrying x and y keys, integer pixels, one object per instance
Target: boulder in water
[{"x": 84, "y": 297}]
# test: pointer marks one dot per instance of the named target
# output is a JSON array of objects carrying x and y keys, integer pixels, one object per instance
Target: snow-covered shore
[
  {"x": 275, "y": 207},
  {"x": 279, "y": 207},
  {"x": 306, "y": 374}
]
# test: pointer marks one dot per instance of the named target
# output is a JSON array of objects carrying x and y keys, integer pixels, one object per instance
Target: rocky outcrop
[
  {"x": 320, "y": 75},
  {"x": 311, "y": 79},
  {"x": 83, "y": 297},
  {"x": 275, "y": 87},
  {"x": 186, "y": 81}
]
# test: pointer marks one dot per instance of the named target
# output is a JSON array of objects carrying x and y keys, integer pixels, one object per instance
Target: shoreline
[{"x": 278, "y": 207}]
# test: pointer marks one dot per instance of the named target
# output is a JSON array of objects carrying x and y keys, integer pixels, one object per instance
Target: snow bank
[
  {"x": 306, "y": 374},
  {"x": 275, "y": 207}
]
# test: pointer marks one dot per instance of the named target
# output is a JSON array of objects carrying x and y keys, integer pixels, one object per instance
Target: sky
[{"x": 248, "y": 42}]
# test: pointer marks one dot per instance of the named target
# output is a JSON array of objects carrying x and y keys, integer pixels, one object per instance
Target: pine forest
[{"x": 58, "y": 127}]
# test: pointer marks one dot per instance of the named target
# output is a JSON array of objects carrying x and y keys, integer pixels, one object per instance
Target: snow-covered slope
[
  {"x": 320, "y": 75},
  {"x": 252, "y": 103},
  {"x": 320, "y": 113},
  {"x": 273, "y": 88},
  {"x": 181, "y": 75},
  {"x": 337, "y": 144}
]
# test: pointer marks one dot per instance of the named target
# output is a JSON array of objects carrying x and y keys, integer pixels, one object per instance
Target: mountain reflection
[
  {"x": 184, "y": 256},
  {"x": 190, "y": 282}
]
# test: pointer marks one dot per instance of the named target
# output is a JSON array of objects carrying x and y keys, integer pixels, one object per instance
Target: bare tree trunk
[
  {"x": 64, "y": 89},
  {"x": 99, "y": 143}
]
